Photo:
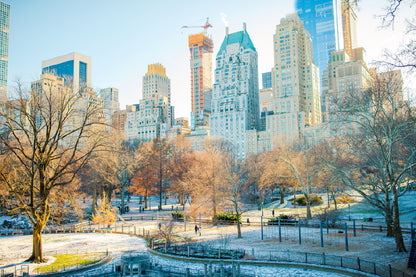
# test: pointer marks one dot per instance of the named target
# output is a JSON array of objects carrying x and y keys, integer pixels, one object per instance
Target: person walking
[{"x": 196, "y": 229}]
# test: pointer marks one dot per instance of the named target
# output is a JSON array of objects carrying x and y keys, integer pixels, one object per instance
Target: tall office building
[
  {"x": 74, "y": 67},
  {"x": 294, "y": 102},
  {"x": 295, "y": 80},
  {"x": 151, "y": 118},
  {"x": 4, "y": 50},
  {"x": 235, "y": 100},
  {"x": 349, "y": 26},
  {"x": 322, "y": 19},
  {"x": 111, "y": 103},
  {"x": 156, "y": 82},
  {"x": 201, "y": 48},
  {"x": 266, "y": 78}
]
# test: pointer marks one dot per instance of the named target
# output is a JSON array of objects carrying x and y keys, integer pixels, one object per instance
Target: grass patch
[{"x": 67, "y": 261}]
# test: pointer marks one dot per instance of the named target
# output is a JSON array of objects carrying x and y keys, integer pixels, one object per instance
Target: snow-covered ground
[
  {"x": 14, "y": 250},
  {"x": 372, "y": 247},
  {"x": 117, "y": 244}
]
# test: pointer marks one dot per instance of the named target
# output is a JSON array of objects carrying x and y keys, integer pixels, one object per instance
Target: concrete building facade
[
  {"x": 111, "y": 102},
  {"x": 235, "y": 101},
  {"x": 156, "y": 82}
]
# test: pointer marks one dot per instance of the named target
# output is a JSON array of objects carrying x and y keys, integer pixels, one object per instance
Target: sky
[{"x": 123, "y": 37}]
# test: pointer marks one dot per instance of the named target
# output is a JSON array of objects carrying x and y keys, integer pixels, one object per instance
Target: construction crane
[{"x": 206, "y": 26}]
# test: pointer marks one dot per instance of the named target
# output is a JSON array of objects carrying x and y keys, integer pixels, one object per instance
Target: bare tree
[
  {"x": 234, "y": 175},
  {"x": 49, "y": 135},
  {"x": 377, "y": 161},
  {"x": 303, "y": 164}
]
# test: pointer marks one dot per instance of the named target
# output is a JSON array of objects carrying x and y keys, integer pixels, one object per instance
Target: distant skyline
[{"x": 124, "y": 37}]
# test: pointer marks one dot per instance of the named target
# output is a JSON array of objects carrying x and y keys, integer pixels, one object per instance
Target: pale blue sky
[{"x": 123, "y": 37}]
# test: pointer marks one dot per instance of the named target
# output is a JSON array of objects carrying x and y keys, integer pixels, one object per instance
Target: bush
[
  {"x": 284, "y": 220},
  {"x": 228, "y": 217},
  {"x": 345, "y": 199},
  {"x": 314, "y": 200},
  {"x": 177, "y": 215}
]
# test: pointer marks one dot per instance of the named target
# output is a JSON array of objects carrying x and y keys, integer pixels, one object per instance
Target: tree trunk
[
  {"x": 282, "y": 195},
  {"x": 308, "y": 208},
  {"x": 238, "y": 223},
  {"x": 259, "y": 200},
  {"x": 160, "y": 195},
  {"x": 398, "y": 237},
  {"x": 37, "y": 250},
  {"x": 389, "y": 222},
  {"x": 329, "y": 200},
  {"x": 94, "y": 200},
  {"x": 294, "y": 197},
  {"x": 145, "y": 201},
  {"x": 388, "y": 214},
  {"x": 122, "y": 200},
  {"x": 334, "y": 197}
]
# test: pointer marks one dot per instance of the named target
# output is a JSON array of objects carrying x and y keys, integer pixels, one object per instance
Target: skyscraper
[
  {"x": 201, "y": 48},
  {"x": 322, "y": 19},
  {"x": 111, "y": 103},
  {"x": 293, "y": 104},
  {"x": 151, "y": 119},
  {"x": 295, "y": 80},
  {"x": 156, "y": 82},
  {"x": 266, "y": 78},
  {"x": 235, "y": 100},
  {"x": 74, "y": 67},
  {"x": 4, "y": 50},
  {"x": 349, "y": 26}
]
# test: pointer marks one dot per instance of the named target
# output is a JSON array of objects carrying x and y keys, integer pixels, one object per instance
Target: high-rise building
[
  {"x": 201, "y": 48},
  {"x": 235, "y": 100},
  {"x": 111, "y": 103},
  {"x": 266, "y": 78},
  {"x": 74, "y": 67},
  {"x": 4, "y": 48},
  {"x": 295, "y": 98},
  {"x": 322, "y": 19},
  {"x": 349, "y": 26},
  {"x": 152, "y": 118},
  {"x": 347, "y": 78},
  {"x": 156, "y": 82},
  {"x": 295, "y": 75}
]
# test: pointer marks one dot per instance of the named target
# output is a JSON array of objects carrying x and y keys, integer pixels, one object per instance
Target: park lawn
[{"x": 67, "y": 261}]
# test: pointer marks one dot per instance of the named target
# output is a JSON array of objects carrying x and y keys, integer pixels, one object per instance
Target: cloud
[{"x": 224, "y": 19}]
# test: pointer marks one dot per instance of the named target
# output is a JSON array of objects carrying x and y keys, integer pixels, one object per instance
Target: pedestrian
[
  {"x": 199, "y": 229},
  {"x": 160, "y": 225},
  {"x": 272, "y": 213},
  {"x": 196, "y": 229},
  {"x": 248, "y": 222}
]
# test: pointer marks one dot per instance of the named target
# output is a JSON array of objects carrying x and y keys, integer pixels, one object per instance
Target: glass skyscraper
[
  {"x": 75, "y": 68},
  {"x": 267, "y": 79},
  {"x": 4, "y": 48},
  {"x": 323, "y": 20}
]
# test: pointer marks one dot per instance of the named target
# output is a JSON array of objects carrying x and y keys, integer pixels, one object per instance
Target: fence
[
  {"x": 23, "y": 270},
  {"x": 194, "y": 250},
  {"x": 325, "y": 234}
]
